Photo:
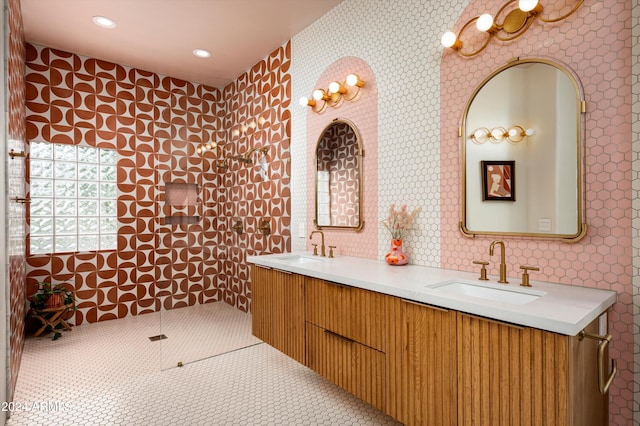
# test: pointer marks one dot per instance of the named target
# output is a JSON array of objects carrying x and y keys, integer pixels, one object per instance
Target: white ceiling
[{"x": 160, "y": 35}]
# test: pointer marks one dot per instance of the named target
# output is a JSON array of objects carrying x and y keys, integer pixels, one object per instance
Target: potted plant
[
  {"x": 51, "y": 296},
  {"x": 47, "y": 305}
]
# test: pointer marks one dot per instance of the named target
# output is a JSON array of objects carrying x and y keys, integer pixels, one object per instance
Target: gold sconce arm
[
  {"x": 21, "y": 200},
  {"x": 603, "y": 382},
  {"x": 510, "y": 23}
]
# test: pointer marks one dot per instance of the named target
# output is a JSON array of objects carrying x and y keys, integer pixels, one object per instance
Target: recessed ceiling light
[
  {"x": 202, "y": 53},
  {"x": 104, "y": 22}
]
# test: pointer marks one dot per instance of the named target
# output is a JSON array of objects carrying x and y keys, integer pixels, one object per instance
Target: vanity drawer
[
  {"x": 351, "y": 312},
  {"x": 356, "y": 368}
]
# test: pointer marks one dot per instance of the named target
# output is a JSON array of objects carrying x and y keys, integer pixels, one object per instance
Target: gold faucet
[
  {"x": 503, "y": 264},
  {"x": 322, "y": 252}
]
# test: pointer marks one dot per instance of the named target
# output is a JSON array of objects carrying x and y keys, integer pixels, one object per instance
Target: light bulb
[
  {"x": 199, "y": 150},
  {"x": 529, "y": 132},
  {"x": 480, "y": 134},
  {"x": 252, "y": 124},
  {"x": 354, "y": 80},
  {"x": 449, "y": 39},
  {"x": 261, "y": 120},
  {"x": 484, "y": 22},
  {"x": 527, "y": 5},
  {"x": 235, "y": 132},
  {"x": 213, "y": 145},
  {"x": 334, "y": 87},
  {"x": 304, "y": 101},
  {"x": 497, "y": 133},
  {"x": 513, "y": 132},
  {"x": 244, "y": 128},
  {"x": 318, "y": 94},
  {"x": 209, "y": 146}
]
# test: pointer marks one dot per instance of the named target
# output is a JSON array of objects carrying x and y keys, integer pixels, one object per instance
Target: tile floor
[{"x": 109, "y": 373}]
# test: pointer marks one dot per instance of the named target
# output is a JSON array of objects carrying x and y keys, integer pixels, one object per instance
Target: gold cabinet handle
[{"x": 603, "y": 383}]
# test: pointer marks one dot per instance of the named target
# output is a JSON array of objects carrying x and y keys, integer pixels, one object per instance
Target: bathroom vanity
[{"x": 438, "y": 347}]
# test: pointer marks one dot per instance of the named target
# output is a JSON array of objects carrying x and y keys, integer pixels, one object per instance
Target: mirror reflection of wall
[
  {"x": 541, "y": 97},
  {"x": 338, "y": 172}
]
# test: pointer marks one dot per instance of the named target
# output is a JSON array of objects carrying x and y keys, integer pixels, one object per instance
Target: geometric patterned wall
[
  {"x": 594, "y": 44},
  {"x": 361, "y": 112},
  {"x": 156, "y": 124},
  {"x": 16, "y": 230},
  {"x": 635, "y": 191},
  {"x": 399, "y": 42},
  {"x": 255, "y": 114},
  {"x": 418, "y": 120}
]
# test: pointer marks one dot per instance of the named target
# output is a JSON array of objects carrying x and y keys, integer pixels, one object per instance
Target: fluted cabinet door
[
  {"x": 421, "y": 364},
  {"x": 348, "y": 311},
  {"x": 510, "y": 375},
  {"x": 278, "y": 310},
  {"x": 356, "y": 368}
]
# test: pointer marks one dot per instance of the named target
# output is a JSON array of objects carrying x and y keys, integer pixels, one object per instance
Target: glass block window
[{"x": 73, "y": 198}]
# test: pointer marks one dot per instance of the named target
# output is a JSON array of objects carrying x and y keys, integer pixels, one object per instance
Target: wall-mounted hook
[
  {"x": 21, "y": 200},
  {"x": 14, "y": 154}
]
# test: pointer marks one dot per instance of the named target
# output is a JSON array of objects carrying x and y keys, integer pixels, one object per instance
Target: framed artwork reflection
[{"x": 498, "y": 180}]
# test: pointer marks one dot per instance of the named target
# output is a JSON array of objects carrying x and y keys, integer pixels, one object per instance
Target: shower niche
[{"x": 181, "y": 203}]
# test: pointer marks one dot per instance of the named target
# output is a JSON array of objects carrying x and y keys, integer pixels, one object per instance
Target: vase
[{"x": 396, "y": 256}]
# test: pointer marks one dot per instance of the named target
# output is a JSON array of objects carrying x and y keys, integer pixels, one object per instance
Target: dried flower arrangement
[{"x": 399, "y": 221}]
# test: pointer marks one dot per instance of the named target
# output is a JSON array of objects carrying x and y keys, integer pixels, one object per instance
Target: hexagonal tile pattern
[
  {"x": 635, "y": 179},
  {"x": 421, "y": 96},
  {"x": 252, "y": 386}
]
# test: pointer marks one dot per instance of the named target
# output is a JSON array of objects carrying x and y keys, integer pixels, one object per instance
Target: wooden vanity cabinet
[
  {"x": 277, "y": 308},
  {"x": 511, "y": 375},
  {"x": 421, "y": 364},
  {"x": 346, "y": 338},
  {"x": 424, "y": 365}
]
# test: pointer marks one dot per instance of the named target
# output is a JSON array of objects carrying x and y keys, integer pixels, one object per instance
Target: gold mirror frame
[
  {"x": 580, "y": 128},
  {"x": 359, "y": 154}
]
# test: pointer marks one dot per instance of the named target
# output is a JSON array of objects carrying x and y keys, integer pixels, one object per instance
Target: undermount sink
[
  {"x": 515, "y": 296},
  {"x": 296, "y": 258}
]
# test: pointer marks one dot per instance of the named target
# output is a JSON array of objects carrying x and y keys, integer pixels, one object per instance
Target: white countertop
[{"x": 563, "y": 309}]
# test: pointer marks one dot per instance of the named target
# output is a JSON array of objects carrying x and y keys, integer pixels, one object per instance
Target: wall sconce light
[
  {"x": 206, "y": 146},
  {"x": 335, "y": 94},
  {"x": 516, "y": 22},
  {"x": 515, "y": 134}
]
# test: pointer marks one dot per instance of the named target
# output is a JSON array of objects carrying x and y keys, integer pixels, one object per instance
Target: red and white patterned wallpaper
[
  {"x": 16, "y": 188},
  {"x": 255, "y": 114},
  {"x": 156, "y": 124}
]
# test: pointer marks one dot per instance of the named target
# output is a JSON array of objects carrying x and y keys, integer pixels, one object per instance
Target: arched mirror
[
  {"x": 521, "y": 153},
  {"x": 339, "y": 177}
]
